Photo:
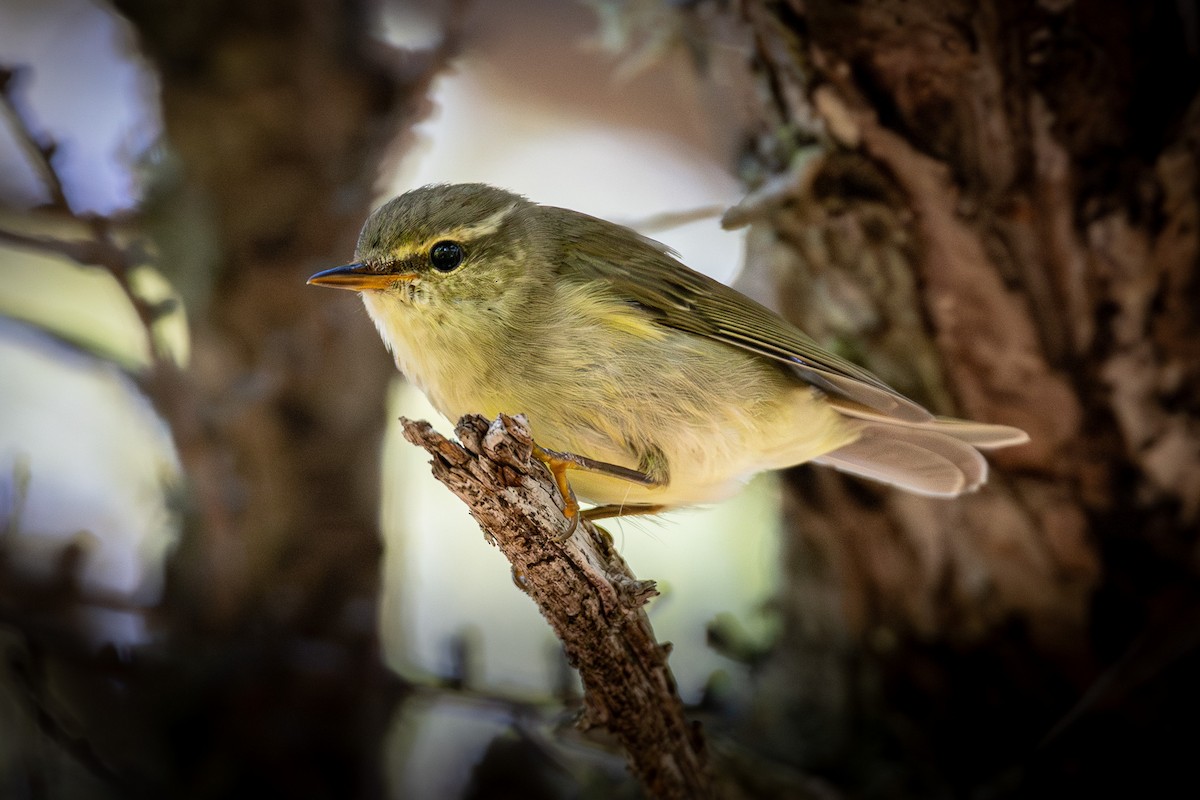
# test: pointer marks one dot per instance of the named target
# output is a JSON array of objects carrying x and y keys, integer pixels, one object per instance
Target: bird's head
[{"x": 437, "y": 246}]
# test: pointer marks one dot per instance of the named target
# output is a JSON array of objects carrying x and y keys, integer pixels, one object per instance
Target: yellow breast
[{"x": 599, "y": 378}]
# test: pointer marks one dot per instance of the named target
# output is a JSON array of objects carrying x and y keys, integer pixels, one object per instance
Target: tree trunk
[
  {"x": 277, "y": 115},
  {"x": 287, "y": 394},
  {"x": 994, "y": 206}
]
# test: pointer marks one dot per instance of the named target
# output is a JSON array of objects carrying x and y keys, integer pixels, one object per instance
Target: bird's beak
[{"x": 358, "y": 278}]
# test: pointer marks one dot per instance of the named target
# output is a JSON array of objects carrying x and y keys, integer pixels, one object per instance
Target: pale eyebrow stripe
[
  {"x": 463, "y": 233},
  {"x": 485, "y": 226}
]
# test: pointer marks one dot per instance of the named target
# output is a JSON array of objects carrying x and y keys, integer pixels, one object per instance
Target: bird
[{"x": 656, "y": 386}]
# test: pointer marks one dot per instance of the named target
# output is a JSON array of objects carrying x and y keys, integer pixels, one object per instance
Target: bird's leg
[
  {"x": 559, "y": 462},
  {"x": 620, "y": 510}
]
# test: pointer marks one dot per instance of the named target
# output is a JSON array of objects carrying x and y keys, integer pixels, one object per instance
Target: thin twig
[
  {"x": 41, "y": 149},
  {"x": 669, "y": 220},
  {"x": 29, "y": 676},
  {"x": 101, "y": 249},
  {"x": 584, "y": 590}
]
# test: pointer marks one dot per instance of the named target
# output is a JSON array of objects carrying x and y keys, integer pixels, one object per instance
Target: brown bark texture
[
  {"x": 586, "y": 592},
  {"x": 996, "y": 207}
]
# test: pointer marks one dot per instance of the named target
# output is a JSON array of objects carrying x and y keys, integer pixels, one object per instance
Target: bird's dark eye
[{"x": 445, "y": 256}]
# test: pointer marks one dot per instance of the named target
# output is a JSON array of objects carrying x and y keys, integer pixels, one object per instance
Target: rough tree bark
[
  {"x": 995, "y": 207},
  {"x": 586, "y": 592}
]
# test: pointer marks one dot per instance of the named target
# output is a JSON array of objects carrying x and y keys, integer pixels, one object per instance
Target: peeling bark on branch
[{"x": 584, "y": 590}]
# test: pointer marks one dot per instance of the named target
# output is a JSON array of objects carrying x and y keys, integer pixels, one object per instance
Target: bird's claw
[
  {"x": 558, "y": 464},
  {"x": 572, "y": 525}
]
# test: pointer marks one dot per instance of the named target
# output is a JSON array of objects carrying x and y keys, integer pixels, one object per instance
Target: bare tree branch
[
  {"x": 41, "y": 149},
  {"x": 584, "y": 590},
  {"x": 101, "y": 249}
]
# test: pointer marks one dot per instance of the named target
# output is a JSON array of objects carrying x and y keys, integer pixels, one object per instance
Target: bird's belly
[
  {"x": 710, "y": 443},
  {"x": 691, "y": 482},
  {"x": 707, "y": 415}
]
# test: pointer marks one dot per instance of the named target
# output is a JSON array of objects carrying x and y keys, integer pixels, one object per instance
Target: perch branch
[{"x": 584, "y": 590}]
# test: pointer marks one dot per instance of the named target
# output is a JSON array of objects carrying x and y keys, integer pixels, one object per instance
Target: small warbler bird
[{"x": 660, "y": 386}]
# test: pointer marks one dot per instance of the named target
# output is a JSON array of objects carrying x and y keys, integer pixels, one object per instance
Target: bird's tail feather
[
  {"x": 938, "y": 457},
  {"x": 984, "y": 435}
]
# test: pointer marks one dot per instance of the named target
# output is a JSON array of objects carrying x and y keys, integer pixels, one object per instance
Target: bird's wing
[{"x": 645, "y": 273}]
